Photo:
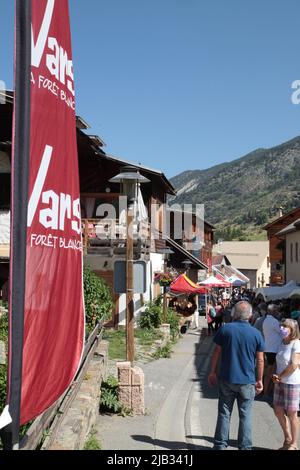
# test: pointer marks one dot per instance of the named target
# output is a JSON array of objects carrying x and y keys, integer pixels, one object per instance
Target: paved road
[{"x": 181, "y": 409}]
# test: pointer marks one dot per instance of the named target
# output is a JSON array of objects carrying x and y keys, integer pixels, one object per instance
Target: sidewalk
[
  {"x": 181, "y": 409},
  {"x": 167, "y": 388}
]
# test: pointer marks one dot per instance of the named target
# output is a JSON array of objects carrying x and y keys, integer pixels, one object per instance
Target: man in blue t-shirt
[{"x": 241, "y": 349}]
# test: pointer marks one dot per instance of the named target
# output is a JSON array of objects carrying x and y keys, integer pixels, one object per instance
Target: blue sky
[{"x": 181, "y": 84}]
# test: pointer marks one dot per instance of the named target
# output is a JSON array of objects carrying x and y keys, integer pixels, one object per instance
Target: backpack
[{"x": 212, "y": 312}]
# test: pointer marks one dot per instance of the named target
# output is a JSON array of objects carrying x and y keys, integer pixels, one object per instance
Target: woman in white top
[{"x": 287, "y": 383}]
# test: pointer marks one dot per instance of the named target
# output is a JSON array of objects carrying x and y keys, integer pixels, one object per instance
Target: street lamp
[
  {"x": 187, "y": 265},
  {"x": 129, "y": 179}
]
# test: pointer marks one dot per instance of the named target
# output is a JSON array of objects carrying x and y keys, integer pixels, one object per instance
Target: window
[
  {"x": 292, "y": 252},
  {"x": 297, "y": 253}
]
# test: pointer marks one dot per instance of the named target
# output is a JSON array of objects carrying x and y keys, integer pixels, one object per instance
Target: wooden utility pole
[{"x": 129, "y": 285}]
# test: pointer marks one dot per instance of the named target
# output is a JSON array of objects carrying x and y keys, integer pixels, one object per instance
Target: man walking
[{"x": 241, "y": 348}]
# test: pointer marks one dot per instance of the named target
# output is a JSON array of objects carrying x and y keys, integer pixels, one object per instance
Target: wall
[
  {"x": 155, "y": 264},
  {"x": 4, "y": 227},
  {"x": 264, "y": 270},
  {"x": 293, "y": 267},
  {"x": 252, "y": 275},
  {"x": 103, "y": 267}
]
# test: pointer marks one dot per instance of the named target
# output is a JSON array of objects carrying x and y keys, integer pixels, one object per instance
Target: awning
[
  {"x": 184, "y": 285},
  {"x": 224, "y": 282},
  {"x": 295, "y": 293},
  {"x": 237, "y": 282},
  {"x": 196, "y": 262},
  {"x": 277, "y": 292},
  {"x": 231, "y": 274}
]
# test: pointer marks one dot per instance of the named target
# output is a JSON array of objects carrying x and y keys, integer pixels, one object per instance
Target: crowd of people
[{"x": 258, "y": 352}]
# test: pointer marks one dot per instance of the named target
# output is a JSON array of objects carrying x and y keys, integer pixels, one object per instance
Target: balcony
[{"x": 107, "y": 237}]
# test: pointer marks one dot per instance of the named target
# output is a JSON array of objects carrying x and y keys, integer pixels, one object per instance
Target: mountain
[{"x": 242, "y": 196}]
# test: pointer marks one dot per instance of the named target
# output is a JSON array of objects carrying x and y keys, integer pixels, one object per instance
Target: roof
[
  {"x": 281, "y": 219},
  {"x": 219, "y": 259},
  {"x": 293, "y": 227},
  {"x": 7, "y": 95},
  {"x": 244, "y": 255},
  {"x": 230, "y": 271},
  {"x": 96, "y": 143},
  {"x": 170, "y": 209},
  {"x": 153, "y": 171},
  {"x": 187, "y": 254}
]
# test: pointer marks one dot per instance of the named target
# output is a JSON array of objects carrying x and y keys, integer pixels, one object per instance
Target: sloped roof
[
  {"x": 244, "y": 255},
  {"x": 290, "y": 228},
  {"x": 196, "y": 262},
  {"x": 230, "y": 271},
  {"x": 281, "y": 219},
  {"x": 218, "y": 259}
]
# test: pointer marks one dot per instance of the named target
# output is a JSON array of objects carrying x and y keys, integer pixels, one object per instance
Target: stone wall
[{"x": 81, "y": 416}]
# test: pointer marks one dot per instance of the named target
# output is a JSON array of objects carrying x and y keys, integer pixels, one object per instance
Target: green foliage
[
  {"x": 146, "y": 337},
  {"x": 4, "y": 327},
  {"x": 97, "y": 298},
  {"x": 151, "y": 317},
  {"x": 109, "y": 401},
  {"x": 163, "y": 352},
  {"x": 173, "y": 320},
  {"x": 116, "y": 344},
  {"x": 2, "y": 387},
  {"x": 92, "y": 442},
  {"x": 3, "y": 369}
]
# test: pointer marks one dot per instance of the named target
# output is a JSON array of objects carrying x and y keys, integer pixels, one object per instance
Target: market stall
[
  {"x": 277, "y": 292},
  {"x": 214, "y": 281},
  {"x": 183, "y": 302}
]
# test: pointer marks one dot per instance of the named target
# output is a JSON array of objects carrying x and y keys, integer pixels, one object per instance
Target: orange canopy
[{"x": 183, "y": 285}]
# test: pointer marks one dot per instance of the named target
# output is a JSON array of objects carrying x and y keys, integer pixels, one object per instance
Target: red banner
[{"x": 54, "y": 312}]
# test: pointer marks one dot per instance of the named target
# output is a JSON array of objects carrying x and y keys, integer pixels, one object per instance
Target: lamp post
[
  {"x": 187, "y": 264},
  {"x": 129, "y": 179}
]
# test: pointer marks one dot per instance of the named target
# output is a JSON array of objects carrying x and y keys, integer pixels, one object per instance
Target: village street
[{"x": 181, "y": 409}]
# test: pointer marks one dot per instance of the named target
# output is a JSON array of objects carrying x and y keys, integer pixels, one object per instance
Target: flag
[
  {"x": 54, "y": 311},
  {"x": 53, "y": 324}
]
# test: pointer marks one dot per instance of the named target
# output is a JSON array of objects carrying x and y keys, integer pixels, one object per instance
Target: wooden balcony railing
[{"x": 111, "y": 233}]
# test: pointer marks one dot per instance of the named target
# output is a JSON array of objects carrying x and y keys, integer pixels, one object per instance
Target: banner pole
[{"x": 19, "y": 203}]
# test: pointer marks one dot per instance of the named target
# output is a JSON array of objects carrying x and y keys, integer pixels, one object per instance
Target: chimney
[{"x": 279, "y": 212}]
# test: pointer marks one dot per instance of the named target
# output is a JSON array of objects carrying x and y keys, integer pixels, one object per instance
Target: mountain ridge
[{"x": 242, "y": 195}]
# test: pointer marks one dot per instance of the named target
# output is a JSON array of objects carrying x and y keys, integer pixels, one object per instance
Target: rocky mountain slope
[{"x": 241, "y": 196}]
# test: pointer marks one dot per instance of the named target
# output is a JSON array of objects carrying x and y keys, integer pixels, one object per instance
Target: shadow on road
[
  {"x": 231, "y": 443},
  {"x": 170, "y": 445}
]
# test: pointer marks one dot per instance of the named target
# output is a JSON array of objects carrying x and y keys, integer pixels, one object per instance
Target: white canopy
[
  {"x": 295, "y": 292},
  {"x": 236, "y": 282},
  {"x": 277, "y": 292},
  {"x": 213, "y": 281}
]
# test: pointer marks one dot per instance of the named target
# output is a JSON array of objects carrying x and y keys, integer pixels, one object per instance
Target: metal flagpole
[{"x": 19, "y": 195}]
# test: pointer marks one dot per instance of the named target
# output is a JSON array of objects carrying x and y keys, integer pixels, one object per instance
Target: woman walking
[
  {"x": 287, "y": 384},
  {"x": 210, "y": 318}
]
